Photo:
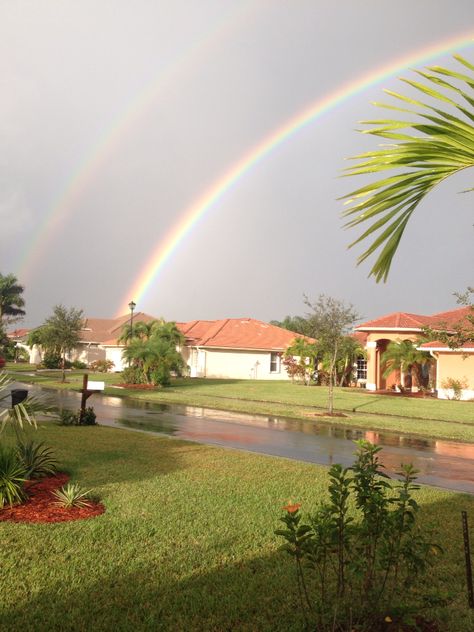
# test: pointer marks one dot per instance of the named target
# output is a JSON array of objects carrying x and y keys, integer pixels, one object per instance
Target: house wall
[
  {"x": 242, "y": 365},
  {"x": 456, "y": 366}
]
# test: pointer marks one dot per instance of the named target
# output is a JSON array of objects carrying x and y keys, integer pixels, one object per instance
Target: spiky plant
[
  {"x": 37, "y": 459},
  {"x": 441, "y": 144},
  {"x": 12, "y": 477},
  {"x": 72, "y": 495}
]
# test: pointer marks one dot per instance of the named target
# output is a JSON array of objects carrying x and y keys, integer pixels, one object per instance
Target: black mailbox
[{"x": 18, "y": 395}]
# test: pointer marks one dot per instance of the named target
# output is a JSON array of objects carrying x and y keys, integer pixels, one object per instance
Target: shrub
[
  {"x": 133, "y": 375},
  {"x": 51, "y": 360},
  {"x": 68, "y": 418},
  {"x": 77, "y": 364},
  {"x": 161, "y": 375},
  {"x": 357, "y": 569},
  {"x": 88, "y": 418},
  {"x": 73, "y": 418},
  {"x": 12, "y": 477},
  {"x": 101, "y": 366},
  {"x": 72, "y": 495},
  {"x": 455, "y": 385},
  {"x": 36, "y": 458}
]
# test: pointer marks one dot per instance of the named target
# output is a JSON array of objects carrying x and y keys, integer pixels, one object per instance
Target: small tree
[
  {"x": 61, "y": 332},
  {"x": 329, "y": 321},
  {"x": 305, "y": 366}
]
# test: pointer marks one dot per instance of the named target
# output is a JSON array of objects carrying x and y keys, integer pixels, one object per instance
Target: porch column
[{"x": 371, "y": 347}]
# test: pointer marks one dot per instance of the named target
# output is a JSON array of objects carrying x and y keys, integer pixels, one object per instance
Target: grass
[
  {"x": 186, "y": 542},
  {"x": 434, "y": 418}
]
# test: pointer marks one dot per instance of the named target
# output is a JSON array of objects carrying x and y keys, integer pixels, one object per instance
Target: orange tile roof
[
  {"x": 403, "y": 320},
  {"x": 437, "y": 344},
  {"x": 238, "y": 333},
  {"x": 398, "y": 320}
]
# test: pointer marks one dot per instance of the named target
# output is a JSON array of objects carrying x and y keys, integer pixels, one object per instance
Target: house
[
  {"x": 448, "y": 364},
  {"x": 235, "y": 348},
  {"x": 238, "y": 348}
]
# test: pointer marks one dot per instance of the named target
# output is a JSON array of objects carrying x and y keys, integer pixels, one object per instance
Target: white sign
[{"x": 95, "y": 386}]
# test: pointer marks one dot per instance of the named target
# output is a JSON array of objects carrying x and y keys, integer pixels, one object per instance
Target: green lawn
[
  {"x": 186, "y": 542},
  {"x": 425, "y": 417}
]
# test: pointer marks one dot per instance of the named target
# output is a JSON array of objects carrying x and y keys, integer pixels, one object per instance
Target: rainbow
[
  {"x": 166, "y": 247},
  {"x": 97, "y": 155}
]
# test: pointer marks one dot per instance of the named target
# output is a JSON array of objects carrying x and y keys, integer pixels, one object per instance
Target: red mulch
[
  {"x": 139, "y": 387},
  {"x": 40, "y": 505}
]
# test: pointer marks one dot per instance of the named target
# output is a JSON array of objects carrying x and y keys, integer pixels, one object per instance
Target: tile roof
[
  {"x": 237, "y": 333},
  {"x": 437, "y": 344},
  {"x": 399, "y": 320},
  {"x": 403, "y": 320}
]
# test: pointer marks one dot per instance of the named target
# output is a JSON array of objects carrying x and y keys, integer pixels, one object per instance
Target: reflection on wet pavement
[{"x": 446, "y": 464}]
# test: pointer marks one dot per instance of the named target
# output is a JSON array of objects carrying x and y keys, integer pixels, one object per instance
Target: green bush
[
  {"x": 133, "y": 375},
  {"x": 12, "y": 477},
  {"x": 68, "y": 418},
  {"x": 161, "y": 375},
  {"x": 359, "y": 558},
  {"x": 77, "y": 364},
  {"x": 51, "y": 360},
  {"x": 73, "y": 418},
  {"x": 88, "y": 418},
  {"x": 36, "y": 458}
]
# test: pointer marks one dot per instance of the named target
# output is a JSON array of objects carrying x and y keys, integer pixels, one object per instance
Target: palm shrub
[
  {"x": 72, "y": 495},
  {"x": 37, "y": 459},
  {"x": 360, "y": 556},
  {"x": 12, "y": 477}
]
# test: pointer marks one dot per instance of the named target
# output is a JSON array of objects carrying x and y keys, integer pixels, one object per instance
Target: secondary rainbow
[
  {"x": 96, "y": 156},
  {"x": 166, "y": 247}
]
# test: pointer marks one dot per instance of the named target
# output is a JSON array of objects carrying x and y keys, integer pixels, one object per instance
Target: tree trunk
[{"x": 63, "y": 362}]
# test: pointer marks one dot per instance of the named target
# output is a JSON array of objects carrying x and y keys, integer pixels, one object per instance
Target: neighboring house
[
  {"x": 447, "y": 363},
  {"x": 236, "y": 348}
]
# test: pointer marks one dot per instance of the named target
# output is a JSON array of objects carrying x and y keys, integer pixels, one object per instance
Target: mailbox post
[{"x": 88, "y": 389}]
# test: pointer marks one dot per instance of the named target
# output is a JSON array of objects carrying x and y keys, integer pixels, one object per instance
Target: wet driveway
[{"x": 441, "y": 463}]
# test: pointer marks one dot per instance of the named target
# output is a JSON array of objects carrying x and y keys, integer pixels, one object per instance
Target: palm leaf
[{"x": 430, "y": 149}]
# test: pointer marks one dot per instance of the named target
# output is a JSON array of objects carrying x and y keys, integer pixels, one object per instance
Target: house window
[
  {"x": 361, "y": 368},
  {"x": 275, "y": 363}
]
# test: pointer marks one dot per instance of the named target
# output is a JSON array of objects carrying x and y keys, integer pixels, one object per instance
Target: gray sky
[{"x": 116, "y": 116}]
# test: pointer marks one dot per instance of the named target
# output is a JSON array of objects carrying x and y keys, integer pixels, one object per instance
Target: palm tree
[
  {"x": 154, "y": 350},
  {"x": 442, "y": 145},
  {"x": 404, "y": 356},
  {"x": 140, "y": 329},
  {"x": 11, "y": 299}
]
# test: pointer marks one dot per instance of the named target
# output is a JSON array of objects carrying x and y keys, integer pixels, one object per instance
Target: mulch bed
[
  {"x": 139, "y": 387},
  {"x": 40, "y": 505}
]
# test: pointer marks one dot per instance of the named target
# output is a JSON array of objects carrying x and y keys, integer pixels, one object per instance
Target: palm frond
[{"x": 428, "y": 150}]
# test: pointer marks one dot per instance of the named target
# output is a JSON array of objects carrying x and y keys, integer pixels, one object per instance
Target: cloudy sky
[{"x": 117, "y": 117}]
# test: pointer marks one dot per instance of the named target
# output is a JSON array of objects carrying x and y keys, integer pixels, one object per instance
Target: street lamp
[{"x": 131, "y": 306}]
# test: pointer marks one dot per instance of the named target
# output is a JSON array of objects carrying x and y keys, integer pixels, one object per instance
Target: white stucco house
[{"x": 236, "y": 348}]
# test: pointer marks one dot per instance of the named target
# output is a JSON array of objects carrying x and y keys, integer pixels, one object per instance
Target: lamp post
[{"x": 131, "y": 306}]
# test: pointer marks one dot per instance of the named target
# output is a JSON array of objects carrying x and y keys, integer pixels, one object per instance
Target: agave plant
[
  {"x": 72, "y": 495},
  {"x": 442, "y": 144},
  {"x": 12, "y": 477},
  {"x": 37, "y": 459}
]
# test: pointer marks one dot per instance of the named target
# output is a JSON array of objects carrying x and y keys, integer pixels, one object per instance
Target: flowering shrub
[{"x": 358, "y": 569}]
